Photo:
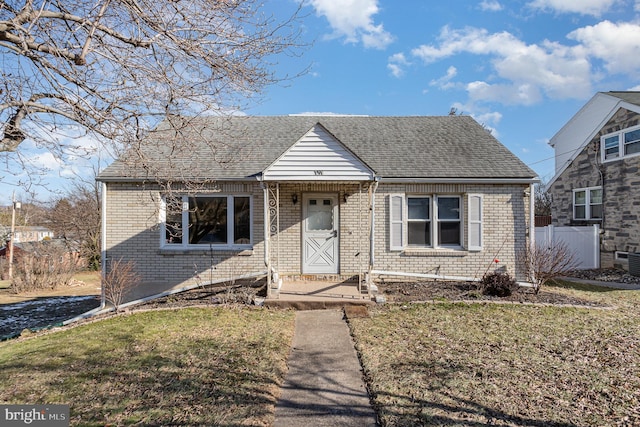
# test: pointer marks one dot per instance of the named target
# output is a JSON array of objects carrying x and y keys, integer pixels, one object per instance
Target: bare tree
[
  {"x": 543, "y": 200},
  {"x": 75, "y": 217},
  {"x": 544, "y": 263},
  {"x": 114, "y": 68}
]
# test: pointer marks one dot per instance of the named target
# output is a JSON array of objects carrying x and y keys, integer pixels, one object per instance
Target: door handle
[{"x": 335, "y": 233}]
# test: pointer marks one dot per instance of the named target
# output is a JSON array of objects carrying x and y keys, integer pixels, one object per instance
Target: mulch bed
[
  {"x": 240, "y": 292},
  {"x": 412, "y": 291},
  {"x": 394, "y": 291}
]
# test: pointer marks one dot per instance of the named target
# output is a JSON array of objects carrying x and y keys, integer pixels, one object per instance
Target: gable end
[{"x": 318, "y": 156}]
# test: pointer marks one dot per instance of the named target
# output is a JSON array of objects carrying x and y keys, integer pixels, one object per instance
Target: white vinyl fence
[{"x": 583, "y": 241}]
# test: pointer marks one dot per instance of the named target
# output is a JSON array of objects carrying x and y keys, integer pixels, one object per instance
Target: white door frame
[{"x": 321, "y": 246}]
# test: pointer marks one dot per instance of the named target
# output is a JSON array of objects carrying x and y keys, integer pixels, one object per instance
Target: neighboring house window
[
  {"x": 420, "y": 221},
  {"x": 216, "y": 221},
  {"x": 587, "y": 203},
  {"x": 621, "y": 144}
]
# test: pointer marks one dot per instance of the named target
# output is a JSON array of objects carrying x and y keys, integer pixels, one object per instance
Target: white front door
[{"x": 320, "y": 233}]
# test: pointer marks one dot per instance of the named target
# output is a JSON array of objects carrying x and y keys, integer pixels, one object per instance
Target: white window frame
[
  {"x": 587, "y": 204},
  {"x": 437, "y": 221},
  {"x": 400, "y": 242},
  {"x": 621, "y": 144},
  {"x": 185, "y": 224},
  {"x": 429, "y": 220}
]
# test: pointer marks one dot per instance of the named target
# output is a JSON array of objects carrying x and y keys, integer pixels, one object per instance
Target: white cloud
[
  {"x": 396, "y": 64},
  {"x": 527, "y": 70},
  {"x": 490, "y": 5},
  {"x": 353, "y": 19},
  {"x": 616, "y": 44},
  {"x": 445, "y": 82},
  {"x": 584, "y": 7}
]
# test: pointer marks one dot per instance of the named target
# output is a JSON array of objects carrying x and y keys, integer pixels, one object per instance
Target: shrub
[
  {"x": 545, "y": 262},
  {"x": 498, "y": 284},
  {"x": 119, "y": 279},
  {"x": 49, "y": 264}
]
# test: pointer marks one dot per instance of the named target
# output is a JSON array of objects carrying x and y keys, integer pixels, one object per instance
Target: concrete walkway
[
  {"x": 612, "y": 285},
  {"x": 324, "y": 385}
]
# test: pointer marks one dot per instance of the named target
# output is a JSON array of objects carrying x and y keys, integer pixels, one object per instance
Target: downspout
[
  {"x": 103, "y": 242},
  {"x": 267, "y": 262},
  {"x": 372, "y": 240}
]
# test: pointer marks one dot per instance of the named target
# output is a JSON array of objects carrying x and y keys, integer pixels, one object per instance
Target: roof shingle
[{"x": 215, "y": 148}]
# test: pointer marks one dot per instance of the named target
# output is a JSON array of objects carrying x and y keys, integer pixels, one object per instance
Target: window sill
[
  {"x": 205, "y": 251},
  {"x": 435, "y": 252}
]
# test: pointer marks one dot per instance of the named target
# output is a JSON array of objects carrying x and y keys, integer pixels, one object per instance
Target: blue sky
[{"x": 521, "y": 68}]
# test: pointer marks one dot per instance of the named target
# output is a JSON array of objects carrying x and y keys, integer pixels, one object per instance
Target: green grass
[
  {"x": 425, "y": 364},
  {"x": 197, "y": 366},
  {"x": 484, "y": 364}
]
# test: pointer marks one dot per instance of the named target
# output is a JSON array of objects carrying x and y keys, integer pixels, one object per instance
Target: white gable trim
[
  {"x": 571, "y": 139},
  {"x": 318, "y": 156}
]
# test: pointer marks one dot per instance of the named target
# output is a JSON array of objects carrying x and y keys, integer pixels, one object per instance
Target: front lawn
[
  {"x": 197, "y": 366},
  {"x": 485, "y": 364}
]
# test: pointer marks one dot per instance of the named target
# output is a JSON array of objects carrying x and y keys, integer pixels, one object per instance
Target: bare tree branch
[{"x": 115, "y": 68}]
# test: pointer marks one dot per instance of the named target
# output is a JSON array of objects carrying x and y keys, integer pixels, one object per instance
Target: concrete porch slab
[{"x": 316, "y": 294}]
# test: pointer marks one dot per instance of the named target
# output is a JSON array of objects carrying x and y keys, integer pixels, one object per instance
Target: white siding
[
  {"x": 318, "y": 156},
  {"x": 580, "y": 129}
]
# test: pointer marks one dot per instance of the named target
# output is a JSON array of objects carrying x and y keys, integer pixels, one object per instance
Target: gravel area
[{"x": 606, "y": 275}]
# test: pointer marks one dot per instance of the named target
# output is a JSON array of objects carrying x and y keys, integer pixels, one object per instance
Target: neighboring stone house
[
  {"x": 597, "y": 178},
  {"x": 335, "y": 197}
]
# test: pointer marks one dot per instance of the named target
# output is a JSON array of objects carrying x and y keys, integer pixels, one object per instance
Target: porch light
[{"x": 294, "y": 198}]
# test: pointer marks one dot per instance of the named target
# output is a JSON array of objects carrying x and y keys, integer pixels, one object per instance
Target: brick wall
[
  {"x": 133, "y": 233},
  {"x": 505, "y": 226}
]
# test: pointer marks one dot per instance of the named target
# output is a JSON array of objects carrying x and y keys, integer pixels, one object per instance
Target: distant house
[
  {"x": 597, "y": 179},
  {"x": 337, "y": 197},
  {"x": 60, "y": 248},
  {"x": 32, "y": 234}
]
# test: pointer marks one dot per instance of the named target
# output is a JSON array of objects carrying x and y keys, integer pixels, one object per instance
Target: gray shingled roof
[
  {"x": 393, "y": 147},
  {"x": 630, "y": 97}
]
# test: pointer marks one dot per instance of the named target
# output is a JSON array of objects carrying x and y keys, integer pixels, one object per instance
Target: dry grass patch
[
  {"x": 488, "y": 364},
  {"x": 199, "y": 366}
]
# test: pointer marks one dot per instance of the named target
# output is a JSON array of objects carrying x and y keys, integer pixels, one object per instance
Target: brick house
[
  {"x": 335, "y": 197},
  {"x": 597, "y": 155}
]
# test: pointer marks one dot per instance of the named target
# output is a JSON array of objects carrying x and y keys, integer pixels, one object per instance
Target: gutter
[
  {"x": 392, "y": 180},
  {"x": 387, "y": 180}
]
